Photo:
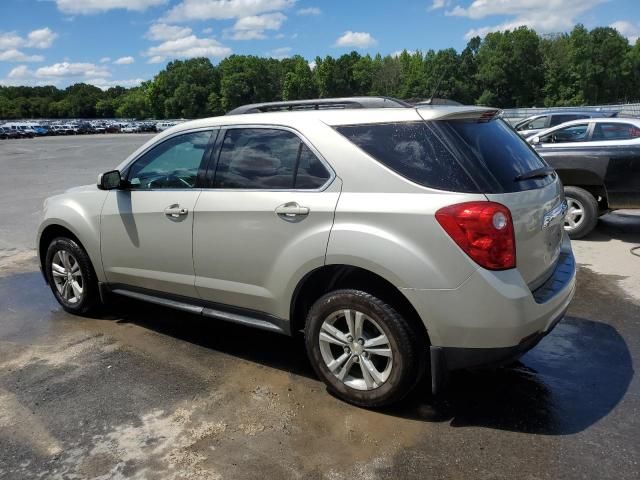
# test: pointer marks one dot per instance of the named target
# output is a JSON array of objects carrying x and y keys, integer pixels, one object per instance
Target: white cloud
[
  {"x": 105, "y": 84},
  {"x": 437, "y": 4},
  {"x": 58, "y": 73},
  {"x": 545, "y": 17},
  {"x": 10, "y": 40},
  {"x": 188, "y": 10},
  {"x": 355, "y": 39},
  {"x": 20, "y": 71},
  {"x": 163, "y": 32},
  {"x": 14, "y": 55},
  {"x": 105, "y": 59},
  {"x": 254, "y": 26},
  {"x": 280, "y": 53},
  {"x": 628, "y": 29},
  {"x": 187, "y": 47},
  {"x": 88, "y": 7},
  {"x": 66, "y": 69},
  {"x": 124, "y": 61},
  {"x": 42, "y": 38},
  {"x": 397, "y": 53},
  {"x": 309, "y": 11},
  {"x": 207, "y": 30}
]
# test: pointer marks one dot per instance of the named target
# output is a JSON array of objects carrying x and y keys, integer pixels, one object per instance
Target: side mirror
[
  {"x": 535, "y": 140},
  {"x": 109, "y": 180}
]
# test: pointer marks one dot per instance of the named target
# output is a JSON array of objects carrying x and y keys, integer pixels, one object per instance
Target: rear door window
[{"x": 267, "y": 159}]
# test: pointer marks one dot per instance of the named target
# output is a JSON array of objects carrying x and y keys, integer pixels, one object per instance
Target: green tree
[{"x": 299, "y": 82}]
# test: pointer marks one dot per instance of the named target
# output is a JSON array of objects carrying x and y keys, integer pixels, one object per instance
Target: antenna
[{"x": 435, "y": 90}]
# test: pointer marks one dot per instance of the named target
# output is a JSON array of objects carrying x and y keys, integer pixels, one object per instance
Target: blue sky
[{"x": 108, "y": 42}]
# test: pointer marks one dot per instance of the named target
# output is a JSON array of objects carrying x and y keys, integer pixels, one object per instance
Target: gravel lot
[{"x": 150, "y": 393}]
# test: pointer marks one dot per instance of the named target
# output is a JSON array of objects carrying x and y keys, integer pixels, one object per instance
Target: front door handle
[
  {"x": 175, "y": 211},
  {"x": 291, "y": 210}
]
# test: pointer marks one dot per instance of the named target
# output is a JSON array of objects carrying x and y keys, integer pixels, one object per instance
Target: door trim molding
[{"x": 226, "y": 313}]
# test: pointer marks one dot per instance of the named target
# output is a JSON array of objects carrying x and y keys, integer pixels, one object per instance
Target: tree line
[{"x": 517, "y": 68}]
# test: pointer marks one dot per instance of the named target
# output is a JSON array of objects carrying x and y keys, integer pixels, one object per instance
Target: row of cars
[
  {"x": 14, "y": 130},
  {"x": 597, "y": 157}
]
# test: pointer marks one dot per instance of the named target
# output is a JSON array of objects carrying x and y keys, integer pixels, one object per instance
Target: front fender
[{"x": 78, "y": 212}]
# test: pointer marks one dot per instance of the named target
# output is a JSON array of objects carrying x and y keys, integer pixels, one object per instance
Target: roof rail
[{"x": 320, "y": 104}]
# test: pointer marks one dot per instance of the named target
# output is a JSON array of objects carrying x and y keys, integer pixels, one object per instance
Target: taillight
[{"x": 484, "y": 230}]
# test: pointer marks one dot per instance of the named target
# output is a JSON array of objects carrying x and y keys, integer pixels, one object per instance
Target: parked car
[
  {"x": 7, "y": 133},
  {"x": 537, "y": 123},
  {"x": 130, "y": 128},
  {"x": 595, "y": 132},
  {"x": 162, "y": 126},
  {"x": 399, "y": 240},
  {"x": 598, "y": 162}
]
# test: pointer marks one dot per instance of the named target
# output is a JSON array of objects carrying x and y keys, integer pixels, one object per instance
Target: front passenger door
[{"x": 146, "y": 227}]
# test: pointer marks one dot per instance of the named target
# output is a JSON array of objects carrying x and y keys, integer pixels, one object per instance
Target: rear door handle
[
  {"x": 175, "y": 211},
  {"x": 291, "y": 210}
]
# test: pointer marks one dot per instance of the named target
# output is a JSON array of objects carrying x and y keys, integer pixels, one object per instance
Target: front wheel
[
  {"x": 71, "y": 276},
  {"x": 364, "y": 351},
  {"x": 582, "y": 212}
]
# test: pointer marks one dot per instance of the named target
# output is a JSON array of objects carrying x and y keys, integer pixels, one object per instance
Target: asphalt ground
[{"x": 148, "y": 393}]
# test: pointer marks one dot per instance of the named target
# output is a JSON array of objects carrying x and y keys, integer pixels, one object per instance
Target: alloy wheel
[
  {"x": 575, "y": 214},
  {"x": 67, "y": 277},
  {"x": 356, "y": 349}
]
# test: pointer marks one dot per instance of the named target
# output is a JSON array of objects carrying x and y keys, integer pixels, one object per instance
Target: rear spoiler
[{"x": 480, "y": 114}]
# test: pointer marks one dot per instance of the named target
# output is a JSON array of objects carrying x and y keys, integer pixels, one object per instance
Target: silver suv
[{"x": 399, "y": 240}]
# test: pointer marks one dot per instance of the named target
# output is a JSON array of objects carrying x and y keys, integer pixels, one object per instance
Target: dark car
[{"x": 596, "y": 181}]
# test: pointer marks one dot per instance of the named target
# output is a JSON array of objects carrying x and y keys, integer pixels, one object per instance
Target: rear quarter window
[{"x": 414, "y": 150}]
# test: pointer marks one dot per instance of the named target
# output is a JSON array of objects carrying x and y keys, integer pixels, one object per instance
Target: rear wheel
[
  {"x": 582, "y": 212},
  {"x": 71, "y": 276},
  {"x": 364, "y": 351}
]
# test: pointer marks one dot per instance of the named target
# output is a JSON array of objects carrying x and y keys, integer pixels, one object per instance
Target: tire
[
  {"x": 582, "y": 223},
  {"x": 76, "y": 261},
  {"x": 396, "y": 375}
]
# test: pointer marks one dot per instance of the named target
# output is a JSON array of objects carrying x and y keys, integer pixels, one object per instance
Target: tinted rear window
[
  {"x": 455, "y": 155},
  {"x": 497, "y": 152}
]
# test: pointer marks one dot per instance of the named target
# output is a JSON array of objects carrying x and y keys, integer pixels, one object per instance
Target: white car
[
  {"x": 592, "y": 132},
  {"x": 130, "y": 128}
]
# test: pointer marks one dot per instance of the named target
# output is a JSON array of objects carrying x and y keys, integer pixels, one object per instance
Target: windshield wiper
[{"x": 537, "y": 173}]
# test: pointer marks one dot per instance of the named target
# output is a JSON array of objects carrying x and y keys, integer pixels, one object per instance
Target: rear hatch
[{"x": 508, "y": 171}]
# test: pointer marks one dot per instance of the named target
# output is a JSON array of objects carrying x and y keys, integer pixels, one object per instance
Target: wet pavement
[{"x": 148, "y": 393}]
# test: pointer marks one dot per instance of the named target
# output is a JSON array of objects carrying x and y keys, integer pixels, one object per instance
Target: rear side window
[
  {"x": 414, "y": 150},
  {"x": 454, "y": 155},
  {"x": 559, "y": 119},
  {"x": 614, "y": 131}
]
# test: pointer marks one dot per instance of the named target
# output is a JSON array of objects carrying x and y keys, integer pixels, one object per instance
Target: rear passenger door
[{"x": 264, "y": 218}]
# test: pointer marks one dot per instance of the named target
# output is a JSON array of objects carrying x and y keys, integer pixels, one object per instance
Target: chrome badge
[{"x": 556, "y": 212}]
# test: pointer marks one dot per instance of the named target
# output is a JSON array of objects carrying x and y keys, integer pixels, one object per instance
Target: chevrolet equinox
[{"x": 400, "y": 240}]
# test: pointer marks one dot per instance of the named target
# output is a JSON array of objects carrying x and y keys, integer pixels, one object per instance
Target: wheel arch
[
  {"x": 47, "y": 235},
  {"x": 341, "y": 276}
]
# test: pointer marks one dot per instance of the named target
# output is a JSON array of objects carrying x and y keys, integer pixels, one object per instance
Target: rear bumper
[
  {"x": 454, "y": 358},
  {"x": 495, "y": 309}
]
